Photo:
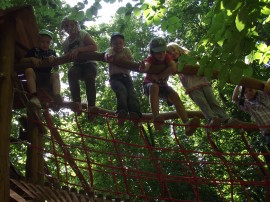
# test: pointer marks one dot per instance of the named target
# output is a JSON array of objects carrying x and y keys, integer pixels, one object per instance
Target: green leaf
[
  {"x": 257, "y": 56},
  {"x": 136, "y": 11},
  {"x": 248, "y": 71},
  {"x": 262, "y": 47},
  {"x": 156, "y": 20},
  {"x": 164, "y": 25},
  {"x": 79, "y": 16},
  {"x": 80, "y": 6},
  {"x": 121, "y": 10},
  {"x": 173, "y": 20},
  {"x": 239, "y": 24},
  {"x": 89, "y": 13},
  {"x": 97, "y": 5},
  {"x": 265, "y": 11},
  {"x": 236, "y": 74},
  {"x": 146, "y": 13}
]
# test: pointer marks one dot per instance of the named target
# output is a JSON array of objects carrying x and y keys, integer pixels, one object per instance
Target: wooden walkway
[{"x": 22, "y": 191}]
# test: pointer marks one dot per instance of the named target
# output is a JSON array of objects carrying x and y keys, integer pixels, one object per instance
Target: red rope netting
[{"x": 164, "y": 165}]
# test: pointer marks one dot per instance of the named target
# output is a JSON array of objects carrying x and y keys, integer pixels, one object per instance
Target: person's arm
[
  {"x": 267, "y": 86},
  {"x": 89, "y": 46},
  {"x": 235, "y": 96},
  {"x": 108, "y": 56},
  {"x": 171, "y": 69},
  {"x": 144, "y": 66}
]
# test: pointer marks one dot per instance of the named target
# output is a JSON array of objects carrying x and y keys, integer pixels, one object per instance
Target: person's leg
[
  {"x": 32, "y": 87},
  {"x": 154, "y": 99},
  {"x": 212, "y": 101},
  {"x": 89, "y": 76},
  {"x": 193, "y": 123},
  {"x": 120, "y": 90},
  {"x": 55, "y": 83},
  {"x": 121, "y": 93},
  {"x": 133, "y": 103},
  {"x": 74, "y": 86},
  {"x": 180, "y": 109},
  {"x": 31, "y": 80},
  {"x": 200, "y": 100}
]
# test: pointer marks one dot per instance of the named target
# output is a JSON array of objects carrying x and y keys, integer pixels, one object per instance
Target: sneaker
[
  {"x": 57, "y": 101},
  {"x": 134, "y": 117},
  {"x": 192, "y": 126},
  {"x": 158, "y": 122},
  {"x": 215, "y": 124},
  {"x": 121, "y": 115},
  {"x": 34, "y": 101},
  {"x": 77, "y": 108},
  {"x": 92, "y": 113}
]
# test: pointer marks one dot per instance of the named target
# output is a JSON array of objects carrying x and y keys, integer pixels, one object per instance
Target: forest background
[{"x": 231, "y": 37}]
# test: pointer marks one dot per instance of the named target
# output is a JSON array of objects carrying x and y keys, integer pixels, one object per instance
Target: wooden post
[
  {"x": 7, "y": 49},
  {"x": 35, "y": 161}
]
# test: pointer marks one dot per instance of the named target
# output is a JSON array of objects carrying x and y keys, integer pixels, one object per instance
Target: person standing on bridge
[
  {"x": 76, "y": 42},
  {"x": 200, "y": 91},
  {"x": 121, "y": 81}
]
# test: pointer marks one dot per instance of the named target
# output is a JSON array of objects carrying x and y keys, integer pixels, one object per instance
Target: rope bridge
[{"x": 153, "y": 165}]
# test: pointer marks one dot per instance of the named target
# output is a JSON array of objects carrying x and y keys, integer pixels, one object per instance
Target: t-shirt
[
  {"x": 259, "y": 109},
  {"x": 151, "y": 60},
  {"x": 41, "y": 54},
  {"x": 77, "y": 42},
  {"x": 125, "y": 54}
]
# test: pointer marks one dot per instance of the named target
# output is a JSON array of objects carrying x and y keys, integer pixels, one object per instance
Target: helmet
[
  {"x": 46, "y": 32},
  {"x": 158, "y": 45},
  {"x": 117, "y": 34}
]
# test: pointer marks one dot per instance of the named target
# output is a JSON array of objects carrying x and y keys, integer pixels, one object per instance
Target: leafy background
[{"x": 229, "y": 36}]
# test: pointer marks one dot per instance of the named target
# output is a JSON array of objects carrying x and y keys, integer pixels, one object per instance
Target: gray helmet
[{"x": 158, "y": 44}]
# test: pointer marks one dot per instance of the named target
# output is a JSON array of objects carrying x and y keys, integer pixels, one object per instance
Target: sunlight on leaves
[{"x": 239, "y": 24}]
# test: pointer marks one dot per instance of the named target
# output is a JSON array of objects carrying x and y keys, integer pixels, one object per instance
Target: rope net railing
[{"x": 142, "y": 164}]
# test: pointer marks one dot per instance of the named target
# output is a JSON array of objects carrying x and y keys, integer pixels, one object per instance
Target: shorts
[{"x": 164, "y": 91}]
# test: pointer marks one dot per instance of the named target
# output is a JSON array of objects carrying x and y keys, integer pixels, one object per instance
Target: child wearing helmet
[
  {"x": 200, "y": 91},
  {"x": 43, "y": 77},
  {"x": 76, "y": 42},
  {"x": 155, "y": 85},
  {"x": 121, "y": 81}
]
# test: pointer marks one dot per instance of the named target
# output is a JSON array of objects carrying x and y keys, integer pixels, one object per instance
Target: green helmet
[{"x": 46, "y": 32}]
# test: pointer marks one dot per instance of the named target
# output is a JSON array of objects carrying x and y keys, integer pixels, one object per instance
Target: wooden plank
[
  {"x": 16, "y": 196},
  {"x": 74, "y": 197},
  {"x": 24, "y": 188},
  {"x": 67, "y": 196},
  {"x": 60, "y": 195},
  {"x": 46, "y": 192},
  {"x": 33, "y": 191}
]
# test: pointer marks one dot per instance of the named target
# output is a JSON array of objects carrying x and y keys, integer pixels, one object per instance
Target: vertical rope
[
  {"x": 118, "y": 156},
  {"x": 189, "y": 164},
  {"x": 49, "y": 125},
  {"x": 85, "y": 152},
  {"x": 156, "y": 164}
]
